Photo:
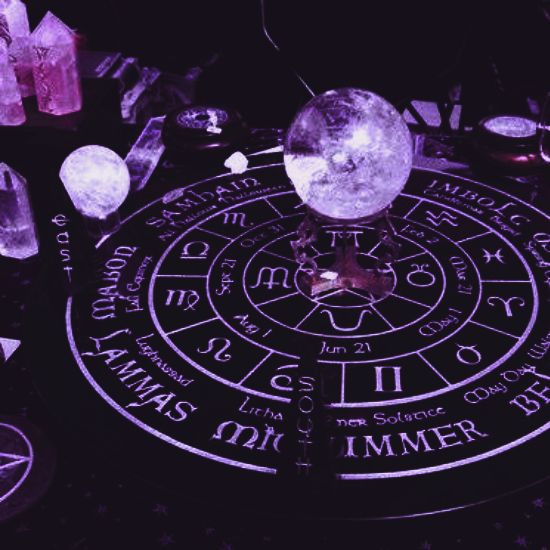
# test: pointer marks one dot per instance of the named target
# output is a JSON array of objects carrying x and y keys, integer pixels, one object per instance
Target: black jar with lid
[{"x": 508, "y": 142}]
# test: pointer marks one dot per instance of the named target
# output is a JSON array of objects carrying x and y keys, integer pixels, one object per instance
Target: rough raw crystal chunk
[
  {"x": 14, "y": 29},
  {"x": 17, "y": 229},
  {"x": 11, "y": 105},
  {"x": 56, "y": 77}
]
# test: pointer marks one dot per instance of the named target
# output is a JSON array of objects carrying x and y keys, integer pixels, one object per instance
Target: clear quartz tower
[
  {"x": 56, "y": 77},
  {"x": 11, "y": 105},
  {"x": 14, "y": 29},
  {"x": 17, "y": 229}
]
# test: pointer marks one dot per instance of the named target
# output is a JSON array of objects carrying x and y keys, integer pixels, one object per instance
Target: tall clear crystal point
[
  {"x": 56, "y": 77},
  {"x": 17, "y": 228},
  {"x": 14, "y": 29},
  {"x": 145, "y": 154},
  {"x": 11, "y": 105}
]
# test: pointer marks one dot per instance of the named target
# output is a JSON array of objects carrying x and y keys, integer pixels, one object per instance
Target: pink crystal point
[
  {"x": 55, "y": 68},
  {"x": 14, "y": 29},
  {"x": 18, "y": 238},
  {"x": 11, "y": 105}
]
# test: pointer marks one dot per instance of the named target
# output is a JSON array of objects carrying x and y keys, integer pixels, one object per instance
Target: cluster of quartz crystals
[{"x": 42, "y": 63}]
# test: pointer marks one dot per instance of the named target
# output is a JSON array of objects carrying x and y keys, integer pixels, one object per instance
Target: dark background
[{"x": 497, "y": 50}]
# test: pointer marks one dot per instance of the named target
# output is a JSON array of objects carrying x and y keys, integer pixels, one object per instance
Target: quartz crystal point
[
  {"x": 14, "y": 29},
  {"x": 56, "y": 77},
  {"x": 11, "y": 105},
  {"x": 8, "y": 346},
  {"x": 17, "y": 229},
  {"x": 145, "y": 154}
]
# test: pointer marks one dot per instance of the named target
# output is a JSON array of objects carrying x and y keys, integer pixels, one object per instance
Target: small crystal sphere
[
  {"x": 348, "y": 153},
  {"x": 97, "y": 180}
]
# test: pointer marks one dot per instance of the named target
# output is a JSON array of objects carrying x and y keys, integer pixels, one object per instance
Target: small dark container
[{"x": 508, "y": 142}]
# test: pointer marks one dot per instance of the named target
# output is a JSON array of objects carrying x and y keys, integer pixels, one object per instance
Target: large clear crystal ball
[{"x": 348, "y": 153}]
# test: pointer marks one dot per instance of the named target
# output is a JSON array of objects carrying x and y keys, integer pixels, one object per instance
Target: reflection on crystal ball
[
  {"x": 97, "y": 180},
  {"x": 348, "y": 153}
]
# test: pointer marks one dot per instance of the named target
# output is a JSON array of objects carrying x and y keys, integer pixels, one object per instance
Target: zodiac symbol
[
  {"x": 199, "y": 255},
  {"x": 475, "y": 356},
  {"x": 188, "y": 297},
  {"x": 283, "y": 382},
  {"x": 439, "y": 219},
  {"x": 271, "y": 282},
  {"x": 420, "y": 272},
  {"x": 60, "y": 220},
  {"x": 394, "y": 372},
  {"x": 346, "y": 329},
  {"x": 236, "y": 218},
  {"x": 220, "y": 355},
  {"x": 506, "y": 303},
  {"x": 488, "y": 257},
  {"x": 344, "y": 234}
]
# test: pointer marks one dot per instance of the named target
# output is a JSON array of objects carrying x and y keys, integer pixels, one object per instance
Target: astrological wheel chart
[
  {"x": 191, "y": 336},
  {"x": 22, "y": 480}
]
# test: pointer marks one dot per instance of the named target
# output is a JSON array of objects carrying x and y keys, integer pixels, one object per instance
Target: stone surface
[
  {"x": 17, "y": 228},
  {"x": 14, "y": 29},
  {"x": 11, "y": 105},
  {"x": 348, "y": 153},
  {"x": 97, "y": 180},
  {"x": 57, "y": 81}
]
